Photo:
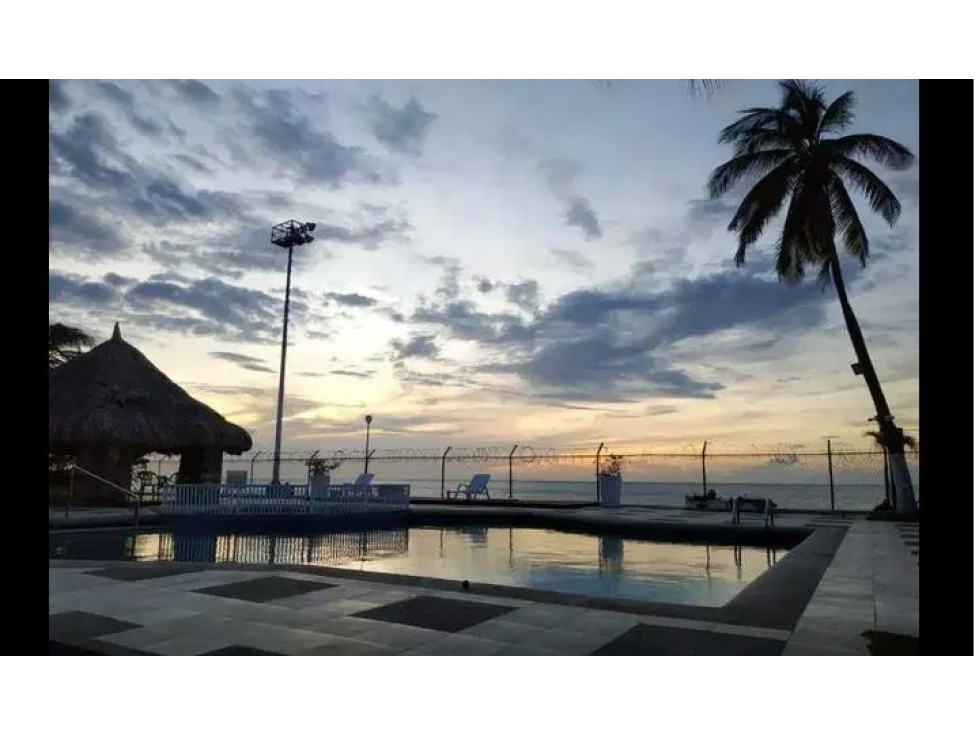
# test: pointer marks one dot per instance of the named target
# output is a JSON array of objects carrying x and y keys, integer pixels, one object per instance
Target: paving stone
[
  {"x": 648, "y": 640},
  {"x": 523, "y": 649},
  {"x": 239, "y": 650},
  {"x": 351, "y": 647},
  {"x": 445, "y": 615},
  {"x": 497, "y": 629},
  {"x": 459, "y": 645},
  {"x": 268, "y": 588},
  {"x": 140, "y": 572},
  {"x": 74, "y": 626}
]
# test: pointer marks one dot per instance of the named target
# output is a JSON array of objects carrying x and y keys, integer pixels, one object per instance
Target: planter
[
  {"x": 319, "y": 487},
  {"x": 610, "y": 490}
]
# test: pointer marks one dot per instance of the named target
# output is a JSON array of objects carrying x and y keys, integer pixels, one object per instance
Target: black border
[
  {"x": 946, "y": 377},
  {"x": 25, "y": 131}
]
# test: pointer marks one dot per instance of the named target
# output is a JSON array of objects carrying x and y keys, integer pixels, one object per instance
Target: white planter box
[
  {"x": 610, "y": 491},
  {"x": 319, "y": 487}
]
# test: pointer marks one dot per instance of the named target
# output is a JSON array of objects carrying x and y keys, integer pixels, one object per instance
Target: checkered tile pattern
[{"x": 235, "y": 612}]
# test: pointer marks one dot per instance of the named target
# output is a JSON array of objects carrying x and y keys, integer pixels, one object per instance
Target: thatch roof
[{"x": 113, "y": 396}]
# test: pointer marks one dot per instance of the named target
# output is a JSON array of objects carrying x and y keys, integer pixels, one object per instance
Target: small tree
[{"x": 65, "y": 343}]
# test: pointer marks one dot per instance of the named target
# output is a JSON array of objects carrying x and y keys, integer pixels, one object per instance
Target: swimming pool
[{"x": 579, "y": 563}]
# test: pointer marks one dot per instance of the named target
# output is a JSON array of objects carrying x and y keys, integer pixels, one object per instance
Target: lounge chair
[
  {"x": 361, "y": 485},
  {"x": 478, "y": 485}
]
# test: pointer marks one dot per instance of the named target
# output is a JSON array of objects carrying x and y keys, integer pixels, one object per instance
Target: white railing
[{"x": 285, "y": 499}]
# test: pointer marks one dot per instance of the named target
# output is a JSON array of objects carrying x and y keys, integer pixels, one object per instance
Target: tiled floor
[
  {"x": 276, "y": 613},
  {"x": 871, "y": 584}
]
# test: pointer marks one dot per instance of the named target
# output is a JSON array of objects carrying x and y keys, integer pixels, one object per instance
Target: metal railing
[
  {"x": 282, "y": 499},
  {"x": 128, "y": 493},
  {"x": 820, "y": 477}
]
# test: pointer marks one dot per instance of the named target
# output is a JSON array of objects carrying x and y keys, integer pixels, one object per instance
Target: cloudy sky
[{"x": 495, "y": 262}]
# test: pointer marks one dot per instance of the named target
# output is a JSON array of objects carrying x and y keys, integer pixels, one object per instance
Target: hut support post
[
  {"x": 598, "y": 483},
  {"x": 71, "y": 490}
]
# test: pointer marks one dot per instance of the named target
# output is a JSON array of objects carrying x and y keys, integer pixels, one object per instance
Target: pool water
[{"x": 596, "y": 565}]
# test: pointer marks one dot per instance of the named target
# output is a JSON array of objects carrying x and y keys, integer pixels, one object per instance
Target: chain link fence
[{"x": 794, "y": 479}]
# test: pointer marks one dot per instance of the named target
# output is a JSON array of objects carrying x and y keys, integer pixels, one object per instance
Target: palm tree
[
  {"x": 909, "y": 441},
  {"x": 65, "y": 342},
  {"x": 788, "y": 152}
]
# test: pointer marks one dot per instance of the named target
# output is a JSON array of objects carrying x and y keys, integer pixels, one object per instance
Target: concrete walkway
[{"x": 871, "y": 584}]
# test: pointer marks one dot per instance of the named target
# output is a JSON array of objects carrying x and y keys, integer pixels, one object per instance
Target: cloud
[
  {"x": 70, "y": 290},
  {"x": 449, "y": 287},
  {"x": 209, "y": 306},
  {"x": 118, "y": 281},
  {"x": 126, "y": 101},
  {"x": 282, "y": 132},
  {"x": 615, "y": 344},
  {"x": 600, "y": 366},
  {"x": 419, "y": 345},
  {"x": 89, "y": 155},
  {"x": 243, "y": 360},
  {"x": 75, "y": 232},
  {"x": 574, "y": 260},
  {"x": 352, "y": 373},
  {"x": 401, "y": 130},
  {"x": 464, "y": 320},
  {"x": 203, "y": 307},
  {"x": 559, "y": 175},
  {"x": 194, "y": 92},
  {"x": 704, "y": 216},
  {"x": 368, "y": 235},
  {"x": 524, "y": 294},
  {"x": 355, "y": 300},
  {"x": 58, "y": 100},
  {"x": 581, "y": 214}
]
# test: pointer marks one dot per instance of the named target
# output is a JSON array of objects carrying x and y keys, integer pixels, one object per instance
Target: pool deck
[{"x": 848, "y": 576}]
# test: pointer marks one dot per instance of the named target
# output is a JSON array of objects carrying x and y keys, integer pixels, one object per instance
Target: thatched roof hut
[{"x": 112, "y": 400}]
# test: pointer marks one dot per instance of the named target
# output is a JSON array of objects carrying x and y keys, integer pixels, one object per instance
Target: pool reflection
[{"x": 599, "y": 565}]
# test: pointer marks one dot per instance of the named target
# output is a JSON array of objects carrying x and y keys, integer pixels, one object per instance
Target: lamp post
[
  {"x": 367, "y": 446},
  {"x": 286, "y": 235}
]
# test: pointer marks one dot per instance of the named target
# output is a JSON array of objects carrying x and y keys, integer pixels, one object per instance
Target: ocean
[{"x": 785, "y": 496}]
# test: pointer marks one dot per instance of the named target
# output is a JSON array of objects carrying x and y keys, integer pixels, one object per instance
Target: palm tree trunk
[{"x": 892, "y": 436}]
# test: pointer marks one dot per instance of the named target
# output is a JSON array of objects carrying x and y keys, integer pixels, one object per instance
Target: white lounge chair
[
  {"x": 364, "y": 480},
  {"x": 478, "y": 485},
  {"x": 361, "y": 485}
]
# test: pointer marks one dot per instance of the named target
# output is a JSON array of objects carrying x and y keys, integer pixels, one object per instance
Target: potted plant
[
  {"x": 610, "y": 481},
  {"x": 319, "y": 476}
]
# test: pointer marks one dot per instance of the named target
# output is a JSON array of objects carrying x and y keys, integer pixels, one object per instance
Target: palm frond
[
  {"x": 761, "y": 204},
  {"x": 727, "y": 174},
  {"x": 754, "y": 118},
  {"x": 763, "y": 138},
  {"x": 808, "y": 230},
  {"x": 881, "y": 199},
  {"x": 848, "y": 221},
  {"x": 839, "y": 114},
  {"x": 885, "y": 151},
  {"x": 706, "y": 86},
  {"x": 791, "y": 241},
  {"x": 805, "y": 102}
]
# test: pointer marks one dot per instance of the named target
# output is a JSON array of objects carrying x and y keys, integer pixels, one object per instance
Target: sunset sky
[{"x": 495, "y": 262}]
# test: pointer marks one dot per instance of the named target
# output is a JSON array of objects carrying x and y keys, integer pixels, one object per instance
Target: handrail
[{"x": 127, "y": 492}]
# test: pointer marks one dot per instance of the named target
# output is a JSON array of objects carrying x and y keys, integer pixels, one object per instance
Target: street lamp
[
  {"x": 287, "y": 235},
  {"x": 367, "y": 445}
]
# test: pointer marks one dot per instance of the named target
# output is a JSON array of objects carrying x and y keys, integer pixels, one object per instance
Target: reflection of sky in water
[{"x": 543, "y": 559}]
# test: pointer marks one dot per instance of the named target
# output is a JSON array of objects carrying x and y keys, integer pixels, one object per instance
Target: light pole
[
  {"x": 367, "y": 446},
  {"x": 287, "y": 235}
]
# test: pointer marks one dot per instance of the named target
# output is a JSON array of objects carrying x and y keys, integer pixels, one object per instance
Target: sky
[{"x": 495, "y": 262}]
